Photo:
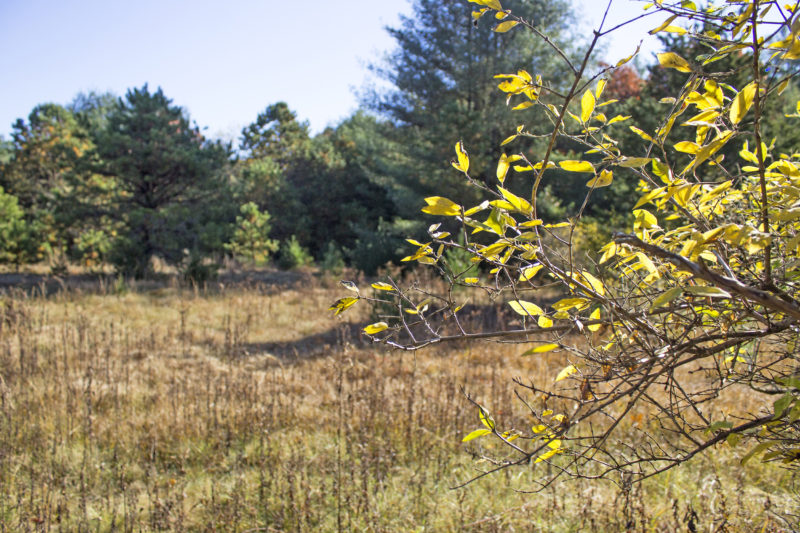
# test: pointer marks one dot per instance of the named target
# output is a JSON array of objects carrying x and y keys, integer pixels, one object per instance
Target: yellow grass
[{"x": 248, "y": 407}]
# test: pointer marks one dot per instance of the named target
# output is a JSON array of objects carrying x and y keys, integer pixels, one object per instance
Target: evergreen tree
[
  {"x": 170, "y": 196},
  {"x": 443, "y": 90}
]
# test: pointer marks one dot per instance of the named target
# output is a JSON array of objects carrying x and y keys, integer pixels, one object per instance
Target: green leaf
[
  {"x": 705, "y": 291},
  {"x": 759, "y": 448},
  {"x": 475, "y": 434},
  {"x": 716, "y": 426},
  {"x": 666, "y": 297},
  {"x": 635, "y": 162},
  {"x": 781, "y": 404}
]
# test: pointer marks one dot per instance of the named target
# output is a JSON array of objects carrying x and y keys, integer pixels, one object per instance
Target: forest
[
  {"x": 122, "y": 180},
  {"x": 570, "y": 285}
]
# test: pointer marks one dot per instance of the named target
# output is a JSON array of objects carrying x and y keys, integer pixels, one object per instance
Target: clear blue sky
[{"x": 222, "y": 61}]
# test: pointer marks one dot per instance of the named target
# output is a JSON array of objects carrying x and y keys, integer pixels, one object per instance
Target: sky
[{"x": 224, "y": 62}]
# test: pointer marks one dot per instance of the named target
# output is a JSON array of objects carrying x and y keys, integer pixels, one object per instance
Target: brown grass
[{"x": 248, "y": 408}]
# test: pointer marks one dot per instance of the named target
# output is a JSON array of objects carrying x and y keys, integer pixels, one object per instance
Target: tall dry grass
[{"x": 249, "y": 408}]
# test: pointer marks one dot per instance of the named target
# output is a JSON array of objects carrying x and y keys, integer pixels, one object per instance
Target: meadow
[{"x": 244, "y": 405}]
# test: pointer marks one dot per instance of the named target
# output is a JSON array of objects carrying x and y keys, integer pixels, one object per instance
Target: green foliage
[
  {"x": 15, "y": 239},
  {"x": 93, "y": 246},
  {"x": 332, "y": 259},
  {"x": 166, "y": 176},
  {"x": 198, "y": 269},
  {"x": 293, "y": 255},
  {"x": 443, "y": 89},
  {"x": 251, "y": 235},
  {"x": 318, "y": 190}
]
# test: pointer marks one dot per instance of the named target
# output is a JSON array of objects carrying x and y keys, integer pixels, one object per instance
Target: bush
[
  {"x": 293, "y": 255},
  {"x": 251, "y": 235}
]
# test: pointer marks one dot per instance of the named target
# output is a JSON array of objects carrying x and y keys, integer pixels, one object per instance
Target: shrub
[{"x": 698, "y": 300}]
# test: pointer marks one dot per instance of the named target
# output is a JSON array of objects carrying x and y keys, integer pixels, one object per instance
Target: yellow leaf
[
  {"x": 641, "y": 133},
  {"x": 593, "y": 282},
  {"x": 471, "y": 281},
  {"x": 519, "y": 204},
  {"x": 576, "y": 166},
  {"x": 687, "y": 147},
  {"x": 618, "y": 118},
  {"x": 505, "y": 26},
  {"x": 503, "y": 164},
  {"x": 441, "y": 206},
  {"x": 673, "y": 60},
  {"x": 626, "y": 59},
  {"x": 663, "y": 25},
  {"x": 529, "y": 272},
  {"x": 486, "y": 419},
  {"x": 594, "y": 316},
  {"x": 587, "y": 105},
  {"x": 463, "y": 158},
  {"x": 342, "y": 304},
  {"x": 478, "y": 14},
  {"x": 646, "y": 263},
  {"x": 542, "y": 349},
  {"x": 603, "y": 180},
  {"x": 377, "y": 327},
  {"x": 494, "y": 4},
  {"x": 525, "y": 308},
  {"x": 381, "y": 286},
  {"x": 567, "y": 372},
  {"x": 569, "y": 303},
  {"x": 644, "y": 219},
  {"x": 544, "y": 322},
  {"x": 635, "y": 162},
  {"x": 675, "y": 29},
  {"x": 742, "y": 103},
  {"x": 601, "y": 85},
  {"x": 475, "y": 434},
  {"x": 545, "y": 456}
]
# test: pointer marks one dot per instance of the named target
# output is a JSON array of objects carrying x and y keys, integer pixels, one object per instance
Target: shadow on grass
[{"x": 35, "y": 284}]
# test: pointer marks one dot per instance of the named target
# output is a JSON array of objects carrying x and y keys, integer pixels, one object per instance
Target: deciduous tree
[{"x": 697, "y": 300}]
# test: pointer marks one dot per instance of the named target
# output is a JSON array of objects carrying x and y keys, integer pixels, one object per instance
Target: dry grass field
[{"x": 245, "y": 406}]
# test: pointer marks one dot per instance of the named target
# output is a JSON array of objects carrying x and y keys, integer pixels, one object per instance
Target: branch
[{"x": 701, "y": 271}]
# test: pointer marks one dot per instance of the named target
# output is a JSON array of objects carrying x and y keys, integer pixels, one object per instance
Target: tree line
[{"x": 123, "y": 180}]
